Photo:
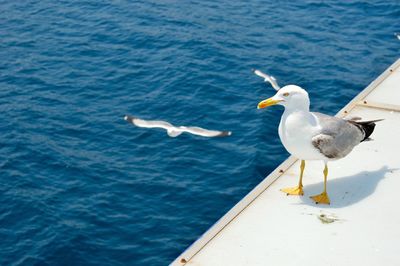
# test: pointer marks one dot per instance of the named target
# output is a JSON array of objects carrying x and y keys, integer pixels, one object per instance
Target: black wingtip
[
  {"x": 129, "y": 118},
  {"x": 225, "y": 134},
  {"x": 368, "y": 127}
]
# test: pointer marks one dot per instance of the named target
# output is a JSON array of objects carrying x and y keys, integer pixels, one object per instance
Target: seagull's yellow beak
[{"x": 267, "y": 102}]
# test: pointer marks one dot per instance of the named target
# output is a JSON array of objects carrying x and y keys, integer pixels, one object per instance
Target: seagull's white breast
[{"x": 296, "y": 131}]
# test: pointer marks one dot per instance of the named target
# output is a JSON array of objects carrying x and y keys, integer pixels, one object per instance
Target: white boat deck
[{"x": 360, "y": 227}]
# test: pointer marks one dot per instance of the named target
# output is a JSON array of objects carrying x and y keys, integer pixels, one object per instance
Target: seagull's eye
[{"x": 286, "y": 94}]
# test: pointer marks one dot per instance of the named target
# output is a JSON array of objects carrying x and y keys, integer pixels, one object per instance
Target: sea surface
[{"x": 80, "y": 186}]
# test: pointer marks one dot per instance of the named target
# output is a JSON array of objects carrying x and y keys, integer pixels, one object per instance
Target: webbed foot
[
  {"x": 297, "y": 191},
  {"x": 321, "y": 198}
]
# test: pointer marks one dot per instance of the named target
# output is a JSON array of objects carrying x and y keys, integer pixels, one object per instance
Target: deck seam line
[{"x": 379, "y": 105}]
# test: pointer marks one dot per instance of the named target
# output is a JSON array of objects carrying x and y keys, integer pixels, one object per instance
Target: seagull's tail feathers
[
  {"x": 367, "y": 127},
  {"x": 173, "y": 133}
]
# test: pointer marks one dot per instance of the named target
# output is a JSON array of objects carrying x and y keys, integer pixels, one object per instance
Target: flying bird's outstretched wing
[
  {"x": 148, "y": 123},
  {"x": 205, "y": 132},
  {"x": 268, "y": 78}
]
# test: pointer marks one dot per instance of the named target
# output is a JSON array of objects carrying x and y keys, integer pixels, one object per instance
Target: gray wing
[
  {"x": 352, "y": 118},
  {"x": 205, "y": 132},
  {"x": 337, "y": 136}
]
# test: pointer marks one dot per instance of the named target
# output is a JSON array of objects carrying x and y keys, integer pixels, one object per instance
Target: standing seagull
[{"x": 314, "y": 136}]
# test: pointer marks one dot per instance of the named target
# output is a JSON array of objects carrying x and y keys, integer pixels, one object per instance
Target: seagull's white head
[{"x": 290, "y": 96}]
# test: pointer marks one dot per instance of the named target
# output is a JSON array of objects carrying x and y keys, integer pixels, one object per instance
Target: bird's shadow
[{"x": 346, "y": 191}]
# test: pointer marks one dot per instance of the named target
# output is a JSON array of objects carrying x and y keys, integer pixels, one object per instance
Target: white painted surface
[
  {"x": 389, "y": 90},
  {"x": 364, "y": 189}
]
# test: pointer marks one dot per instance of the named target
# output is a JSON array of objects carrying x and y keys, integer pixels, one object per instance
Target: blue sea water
[{"x": 80, "y": 186}]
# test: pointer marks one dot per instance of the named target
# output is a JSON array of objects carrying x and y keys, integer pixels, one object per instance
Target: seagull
[
  {"x": 397, "y": 36},
  {"x": 315, "y": 136},
  {"x": 174, "y": 131},
  {"x": 267, "y": 78}
]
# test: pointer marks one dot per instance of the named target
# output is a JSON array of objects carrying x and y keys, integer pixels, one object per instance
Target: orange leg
[
  {"x": 323, "y": 197},
  {"x": 299, "y": 189}
]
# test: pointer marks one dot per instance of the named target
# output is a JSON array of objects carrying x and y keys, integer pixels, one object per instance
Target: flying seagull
[
  {"x": 315, "y": 136},
  {"x": 267, "y": 78},
  {"x": 174, "y": 131},
  {"x": 397, "y": 36}
]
